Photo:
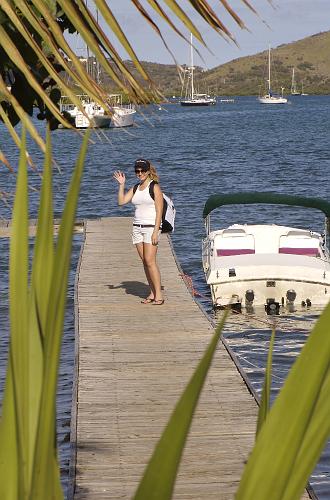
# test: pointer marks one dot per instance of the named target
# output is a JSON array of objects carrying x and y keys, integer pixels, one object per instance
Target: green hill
[{"x": 246, "y": 75}]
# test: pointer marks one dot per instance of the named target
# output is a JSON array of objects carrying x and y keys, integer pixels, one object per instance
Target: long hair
[{"x": 153, "y": 173}]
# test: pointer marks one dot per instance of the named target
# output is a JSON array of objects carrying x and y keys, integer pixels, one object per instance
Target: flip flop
[
  {"x": 147, "y": 301},
  {"x": 158, "y": 302}
]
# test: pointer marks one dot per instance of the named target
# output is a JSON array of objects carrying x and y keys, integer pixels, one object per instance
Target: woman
[{"x": 146, "y": 223}]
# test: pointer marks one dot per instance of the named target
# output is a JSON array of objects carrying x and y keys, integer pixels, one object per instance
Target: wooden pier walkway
[{"x": 134, "y": 361}]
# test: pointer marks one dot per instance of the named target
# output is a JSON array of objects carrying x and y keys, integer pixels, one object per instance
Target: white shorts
[{"x": 142, "y": 234}]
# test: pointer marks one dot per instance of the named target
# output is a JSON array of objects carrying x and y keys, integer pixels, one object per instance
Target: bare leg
[
  {"x": 140, "y": 250},
  {"x": 149, "y": 260}
]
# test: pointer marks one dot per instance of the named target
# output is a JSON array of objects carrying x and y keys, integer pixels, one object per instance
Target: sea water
[{"x": 230, "y": 147}]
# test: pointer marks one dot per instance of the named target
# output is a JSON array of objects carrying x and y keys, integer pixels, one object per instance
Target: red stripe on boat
[
  {"x": 233, "y": 251},
  {"x": 300, "y": 251}
]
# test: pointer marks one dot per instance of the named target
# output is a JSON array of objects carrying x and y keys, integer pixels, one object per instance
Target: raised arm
[
  {"x": 159, "y": 202},
  {"x": 123, "y": 197}
]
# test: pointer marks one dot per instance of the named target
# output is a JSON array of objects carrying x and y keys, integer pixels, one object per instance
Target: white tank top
[{"x": 145, "y": 211}]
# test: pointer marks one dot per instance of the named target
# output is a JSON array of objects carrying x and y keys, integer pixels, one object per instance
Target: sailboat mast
[
  {"x": 293, "y": 83},
  {"x": 269, "y": 69},
  {"x": 192, "y": 67},
  {"x": 88, "y": 63},
  {"x": 97, "y": 64}
]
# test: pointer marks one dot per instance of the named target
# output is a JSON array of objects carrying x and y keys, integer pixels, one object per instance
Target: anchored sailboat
[
  {"x": 192, "y": 98},
  {"x": 270, "y": 97},
  {"x": 294, "y": 90},
  {"x": 302, "y": 89}
]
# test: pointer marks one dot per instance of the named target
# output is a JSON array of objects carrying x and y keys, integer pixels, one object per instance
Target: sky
[{"x": 278, "y": 22}]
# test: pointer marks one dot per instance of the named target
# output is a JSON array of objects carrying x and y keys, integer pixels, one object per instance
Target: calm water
[{"x": 230, "y": 147}]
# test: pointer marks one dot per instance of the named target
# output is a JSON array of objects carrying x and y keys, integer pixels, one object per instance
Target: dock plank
[{"x": 134, "y": 362}]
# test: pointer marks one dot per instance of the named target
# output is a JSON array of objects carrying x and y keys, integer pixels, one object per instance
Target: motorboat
[
  {"x": 95, "y": 116},
  {"x": 267, "y": 265},
  {"x": 123, "y": 115},
  {"x": 270, "y": 97}
]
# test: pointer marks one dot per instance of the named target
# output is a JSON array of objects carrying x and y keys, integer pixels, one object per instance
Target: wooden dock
[
  {"x": 5, "y": 227},
  {"x": 134, "y": 360}
]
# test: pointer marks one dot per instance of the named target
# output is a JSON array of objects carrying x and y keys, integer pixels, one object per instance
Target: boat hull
[
  {"x": 97, "y": 117},
  {"x": 98, "y": 121},
  {"x": 122, "y": 117},
  {"x": 273, "y": 100},
  {"x": 270, "y": 289},
  {"x": 198, "y": 102}
]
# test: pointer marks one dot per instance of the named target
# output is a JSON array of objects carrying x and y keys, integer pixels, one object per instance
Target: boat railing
[{"x": 116, "y": 100}]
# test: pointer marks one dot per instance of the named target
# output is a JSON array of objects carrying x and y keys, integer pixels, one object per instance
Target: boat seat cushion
[
  {"x": 314, "y": 252},
  {"x": 299, "y": 244},
  {"x": 234, "y": 244},
  {"x": 224, "y": 252}
]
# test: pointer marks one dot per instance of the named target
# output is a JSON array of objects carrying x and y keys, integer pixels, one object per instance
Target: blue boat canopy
[{"x": 218, "y": 200}]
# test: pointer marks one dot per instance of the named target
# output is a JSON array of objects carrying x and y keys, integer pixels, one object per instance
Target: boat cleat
[{"x": 272, "y": 307}]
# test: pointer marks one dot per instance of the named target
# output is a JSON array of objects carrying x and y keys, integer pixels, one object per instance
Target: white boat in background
[
  {"x": 294, "y": 90},
  {"x": 193, "y": 98},
  {"x": 302, "y": 89},
  {"x": 270, "y": 97},
  {"x": 123, "y": 115},
  {"x": 95, "y": 116},
  {"x": 266, "y": 265}
]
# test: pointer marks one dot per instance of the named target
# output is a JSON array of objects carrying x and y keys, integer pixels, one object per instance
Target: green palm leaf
[
  {"x": 118, "y": 32},
  {"x": 18, "y": 299},
  {"x": 15, "y": 56},
  {"x": 42, "y": 55},
  {"x": 265, "y": 396},
  {"x": 23, "y": 116},
  {"x": 9, "y": 462},
  {"x": 14, "y": 431},
  {"x": 54, "y": 38},
  {"x": 15, "y": 136},
  {"x": 285, "y": 451},
  {"x": 90, "y": 32},
  {"x": 45, "y": 455},
  {"x": 38, "y": 22},
  {"x": 316, "y": 435},
  {"x": 42, "y": 270},
  {"x": 5, "y": 161}
]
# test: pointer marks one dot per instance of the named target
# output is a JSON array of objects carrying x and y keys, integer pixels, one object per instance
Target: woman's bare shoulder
[{"x": 157, "y": 187}]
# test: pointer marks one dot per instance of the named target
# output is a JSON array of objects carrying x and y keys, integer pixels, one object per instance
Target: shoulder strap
[
  {"x": 135, "y": 187},
  {"x": 151, "y": 189}
]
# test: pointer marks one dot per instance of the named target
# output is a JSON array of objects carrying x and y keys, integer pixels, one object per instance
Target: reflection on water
[{"x": 248, "y": 336}]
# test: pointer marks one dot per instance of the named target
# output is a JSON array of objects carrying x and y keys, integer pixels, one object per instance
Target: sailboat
[
  {"x": 94, "y": 115},
  {"x": 270, "y": 97},
  {"x": 193, "y": 98},
  {"x": 302, "y": 89},
  {"x": 294, "y": 90}
]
